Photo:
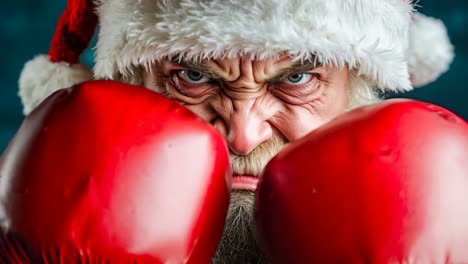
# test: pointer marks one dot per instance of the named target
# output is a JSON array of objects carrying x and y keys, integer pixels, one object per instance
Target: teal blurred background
[{"x": 28, "y": 25}]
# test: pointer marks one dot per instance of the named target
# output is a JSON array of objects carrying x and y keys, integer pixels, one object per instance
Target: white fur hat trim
[
  {"x": 430, "y": 51},
  {"x": 41, "y": 77}
]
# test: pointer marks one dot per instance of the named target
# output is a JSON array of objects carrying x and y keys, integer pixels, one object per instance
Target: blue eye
[
  {"x": 192, "y": 76},
  {"x": 298, "y": 78}
]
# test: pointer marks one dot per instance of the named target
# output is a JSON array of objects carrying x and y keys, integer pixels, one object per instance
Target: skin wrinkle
[
  {"x": 321, "y": 101},
  {"x": 301, "y": 97},
  {"x": 226, "y": 106},
  {"x": 269, "y": 70},
  {"x": 223, "y": 70},
  {"x": 246, "y": 70},
  {"x": 241, "y": 91}
]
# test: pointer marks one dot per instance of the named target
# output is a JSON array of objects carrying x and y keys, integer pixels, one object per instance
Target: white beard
[
  {"x": 254, "y": 162},
  {"x": 239, "y": 244}
]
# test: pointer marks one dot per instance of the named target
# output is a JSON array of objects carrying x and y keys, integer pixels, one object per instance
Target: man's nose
[{"x": 245, "y": 128}]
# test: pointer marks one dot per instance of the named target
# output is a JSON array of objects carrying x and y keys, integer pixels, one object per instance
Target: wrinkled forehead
[
  {"x": 230, "y": 69},
  {"x": 279, "y": 60},
  {"x": 360, "y": 33}
]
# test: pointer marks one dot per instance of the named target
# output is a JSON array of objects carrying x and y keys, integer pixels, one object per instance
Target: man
[{"x": 263, "y": 73}]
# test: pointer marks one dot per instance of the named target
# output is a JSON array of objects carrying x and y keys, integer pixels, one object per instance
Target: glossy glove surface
[
  {"x": 386, "y": 183},
  {"x": 117, "y": 172}
]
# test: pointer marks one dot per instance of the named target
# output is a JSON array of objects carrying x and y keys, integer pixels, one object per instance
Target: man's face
[
  {"x": 252, "y": 102},
  {"x": 258, "y": 106}
]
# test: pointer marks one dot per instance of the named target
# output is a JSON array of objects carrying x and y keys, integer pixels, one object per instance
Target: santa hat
[{"x": 394, "y": 48}]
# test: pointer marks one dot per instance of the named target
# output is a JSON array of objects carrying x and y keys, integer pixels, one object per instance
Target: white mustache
[{"x": 254, "y": 162}]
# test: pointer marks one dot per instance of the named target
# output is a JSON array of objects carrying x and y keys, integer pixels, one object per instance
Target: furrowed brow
[
  {"x": 198, "y": 67},
  {"x": 298, "y": 67}
]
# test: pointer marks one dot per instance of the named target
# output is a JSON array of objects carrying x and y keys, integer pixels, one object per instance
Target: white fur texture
[
  {"x": 41, "y": 77},
  {"x": 430, "y": 50},
  {"x": 368, "y": 35}
]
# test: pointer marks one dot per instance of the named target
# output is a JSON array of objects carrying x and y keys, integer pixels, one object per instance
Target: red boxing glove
[
  {"x": 111, "y": 173},
  {"x": 386, "y": 183}
]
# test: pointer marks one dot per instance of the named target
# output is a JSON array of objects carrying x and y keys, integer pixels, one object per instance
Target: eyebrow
[
  {"x": 298, "y": 67},
  {"x": 198, "y": 67}
]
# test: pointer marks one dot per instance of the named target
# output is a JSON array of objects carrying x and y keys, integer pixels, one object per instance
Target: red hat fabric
[{"x": 74, "y": 31}]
